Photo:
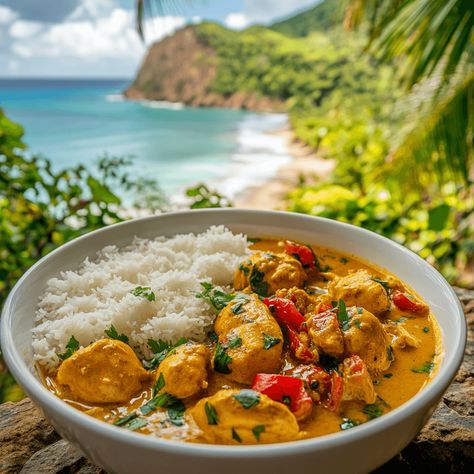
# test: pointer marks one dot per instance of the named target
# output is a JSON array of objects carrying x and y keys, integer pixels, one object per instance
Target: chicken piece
[
  {"x": 107, "y": 371},
  {"x": 244, "y": 417},
  {"x": 185, "y": 370},
  {"x": 304, "y": 302},
  {"x": 360, "y": 289},
  {"x": 267, "y": 272},
  {"x": 249, "y": 334},
  {"x": 367, "y": 338},
  {"x": 325, "y": 334},
  {"x": 401, "y": 338},
  {"x": 357, "y": 382}
]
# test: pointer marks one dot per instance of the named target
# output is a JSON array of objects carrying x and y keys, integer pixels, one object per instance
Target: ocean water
[{"x": 77, "y": 121}]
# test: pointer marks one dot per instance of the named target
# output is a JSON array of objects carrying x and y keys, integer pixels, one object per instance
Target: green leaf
[
  {"x": 348, "y": 423},
  {"x": 372, "y": 410},
  {"x": 212, "y": 418},
  {"x": 136, "y": 424},
  {"x": 234, "y": 343},
  {"x": 222, "y": 360},
  {"x": 247, "y": 398},
  {"x": 113, "y": 334},
  {"x": 160, "y": 383},
  {"x": 383, "y": 283},
  {"x": 100, "y": 192},
  {"x": 257, "y": 282},
  {"x": 144, "y": 292},
  {"x": 72, "y": 346},
  {"x": 343, "y": 316},
  {"x": 270, "y": 341},
  {"x": 257, "y": 431},
  {"x": 124, "y": 420},
  {"x": 235, "y": 436},
  {"x": 438, "y": 217},
  {"x": 426, "y": 368}
]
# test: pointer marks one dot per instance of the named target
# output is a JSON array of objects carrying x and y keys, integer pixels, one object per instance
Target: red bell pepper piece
[
  {"x": 302, "y": 252},
  {"x": 323, "y": 307},
  {"x": 285, "y": 312},
  {"x": 407, "y": 302},
  {"x": 355, "y": 365},
  {"x": 287, "y": 390},
  {"x": 298, "y": 348},
  {"x": 337, "y": 388}
]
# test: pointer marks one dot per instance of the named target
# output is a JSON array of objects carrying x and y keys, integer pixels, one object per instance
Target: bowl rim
[{"x": 43, "y": 397}]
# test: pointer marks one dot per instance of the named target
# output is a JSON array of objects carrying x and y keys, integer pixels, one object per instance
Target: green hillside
[{"x": 321, "y": 17}]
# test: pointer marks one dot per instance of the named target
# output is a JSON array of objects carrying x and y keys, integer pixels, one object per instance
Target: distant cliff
[{"x": 183, "y": 68}]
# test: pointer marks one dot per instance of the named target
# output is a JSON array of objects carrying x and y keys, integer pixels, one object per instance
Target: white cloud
[
  {"x": 236, "y": 21},
  {"x": 24, "y": 29},
  {"x": 7, "y": 15},
  {"x": 21, "y": 50}
]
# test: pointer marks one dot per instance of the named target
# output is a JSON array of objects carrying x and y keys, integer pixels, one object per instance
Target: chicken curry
[{"x": 309, "y": 341}]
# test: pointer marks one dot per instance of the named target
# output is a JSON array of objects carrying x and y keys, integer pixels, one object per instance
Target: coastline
[{"x": 304, "y": 162}]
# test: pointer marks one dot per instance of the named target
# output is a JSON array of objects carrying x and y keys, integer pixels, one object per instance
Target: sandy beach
[{"x": 305, "y": 163}]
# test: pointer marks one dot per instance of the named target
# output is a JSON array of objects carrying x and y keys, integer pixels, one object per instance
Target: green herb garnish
[
  {"x": 257, "y": 282},
  {"x": 286, "y": 400},
  {"x": 235, "y": 436},
  {"x": 136, "y": 424},
  {"x": 388, "y": 376},
  {"x": 343, "y": 316},
  {"x": 348, "y": 423},
  {"x": 237, "y": 308},
  {"x": 222, "y": 360},
  {"x": 212, "y": 418},
  {"x": 385, "y": 284},
  {"x": 176, "y": 409},
  {"x": 372, "y": 410},
  {"x": 254, "y": 240},
  {"x": 270, "y": 341},
  {"x": 247, "y": 398},
  {"x": 217, "y": 299},
  {"x": 426, "y": 329},
  {"x": 125, "y": 419},
  {"x": 71, "y": 347},
  {"x": 161, "y": 349},
  {"x": 144, "y": 292},
  {"x": 357, "y": 323},
  {"x": 401, "y": 320},
  {"x": 234, "y": 343},
  {"x": 160, "y": 383},
  {"x": 328, "y": 363},
  {"x": 113, "y": 334},
  {"x": 257, "y": 431},
  {"x": 344, "y": 260},
  {"x": 390, "y": 356},
  {"x": 245, "y": 269},
  {"x": 426, "y": 368}
]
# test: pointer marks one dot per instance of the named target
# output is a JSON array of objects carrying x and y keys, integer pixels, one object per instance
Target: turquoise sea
[{"x": 76, "y": 121}]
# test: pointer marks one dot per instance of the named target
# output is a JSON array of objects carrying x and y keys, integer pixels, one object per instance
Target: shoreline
[{"x": 271, "y": 194}]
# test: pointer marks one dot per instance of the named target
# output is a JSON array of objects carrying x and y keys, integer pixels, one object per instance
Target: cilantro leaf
[
  {"x": 212, "y": 418},
  {"x": 348, "y": 423},
  {"x": 136, "y": 424},
  {"x": 257, "y": 282},
  {"x": 247, "y": 398},
  {"x": 235, "y": 436},
  {"x": 372, "y": 410},
  {"x": 270, "y": 341},
  {"x": 160, "y": 383},
  {"x": 384, "y": 283},
  {"x": 176, "y": 409},
  {"x": 113, "y": 334},
  {"x": 212, "y": 336},
  {"x": 426, "y": 368},
  {"x": 144, "y": 292},
  {"x": 217, "y": 299},
  {"x": 257, "y": 431},
  {"x": 343, "y": 316},
  {"x": 234, "y": 343},
  {"x": 222, "y": 360},
  {"x": 125, "y": 419},
  {"x": 161, "y": 350},
  {"x": 71, "y": 347}
]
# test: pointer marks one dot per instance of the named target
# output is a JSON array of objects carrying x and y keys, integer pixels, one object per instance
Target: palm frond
[{"x": 440, "y": 142}]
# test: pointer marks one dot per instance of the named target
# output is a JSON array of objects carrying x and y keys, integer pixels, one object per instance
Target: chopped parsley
[
  {"x": 344, "y": 260},
  {"x": 401, "y": 320},
  {"x": 212, "y": 336},
  {"x": 247, "y": 398},
  {"x": 286, "y": 400},
  {"x": 257, "y": 431},
  {"x": 160, "y": 383},
  {"x": 175, "y": 407},
  {"x": 71, "y": 347},
  {"x": 343, "y": 316},
  {"x": 254, "y": 240},
  {"x": 222, "y": 360},
  {"x": 125, "y": 419},
  {"x": 383, "y": 283},
  {"x": 270, "y": 341},
  {"x": 244, "y": 267},
  {"x": 212, "y": 418},
  {"x": 360, "y": 310},
  {"x": 217, "y": 299},
  {"x": 257, "y": 282},
  {"x": 144, "y": 292},
  {"x": 357, "y": 323},
  {"x": 388, "y": 375},
  {"x": 237, "y": 308},
  {"x": 234, "y": 343},
  {"x": 113, "y": 334},
  {"x": 136, "y": 424},
  {"x": 390, "y": 356},
  {"x": 426, "y": 368},
  {"x": 235, "y": 436},
  {"x": 426, "y": 329},
  {"x": 348, "y": 423},
  {"x": 161, "y": 349},
  {"x": 176, "y": 411},
  {"x": 372, "y": 410}
]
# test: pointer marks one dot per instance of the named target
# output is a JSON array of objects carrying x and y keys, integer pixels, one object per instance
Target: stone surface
[{"x": 28, "y": 445}]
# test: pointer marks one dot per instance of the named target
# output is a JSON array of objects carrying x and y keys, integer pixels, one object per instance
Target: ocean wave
[
  {"x": 114, "y": 98},
  {"x": 162, "y": 104}
]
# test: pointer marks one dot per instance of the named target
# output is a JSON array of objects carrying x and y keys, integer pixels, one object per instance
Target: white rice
[{"x": 85, "y": 302}]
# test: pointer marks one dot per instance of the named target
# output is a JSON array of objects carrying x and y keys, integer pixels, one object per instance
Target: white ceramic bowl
[{"x": 360, "y": 449}]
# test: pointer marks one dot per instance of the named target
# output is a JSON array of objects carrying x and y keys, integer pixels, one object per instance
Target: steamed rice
[{"x": 85, "y": 302}]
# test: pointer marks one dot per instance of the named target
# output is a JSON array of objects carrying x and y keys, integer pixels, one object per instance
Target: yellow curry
[{"x": 310, "y": 341}]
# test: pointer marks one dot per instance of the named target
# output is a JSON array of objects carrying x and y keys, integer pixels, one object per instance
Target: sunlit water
[{"x": 76, "y": 121}]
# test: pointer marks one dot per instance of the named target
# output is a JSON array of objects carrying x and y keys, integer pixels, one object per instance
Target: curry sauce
[{"x": 220, "y": 409}]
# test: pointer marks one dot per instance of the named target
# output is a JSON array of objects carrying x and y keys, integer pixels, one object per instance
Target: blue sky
[{"x": 97, "y": 38}]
